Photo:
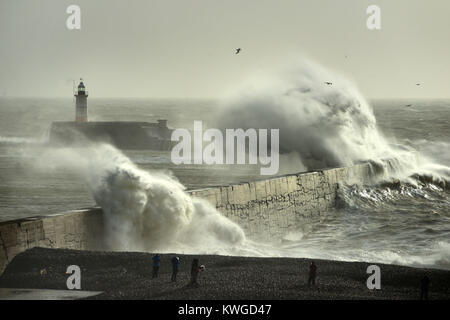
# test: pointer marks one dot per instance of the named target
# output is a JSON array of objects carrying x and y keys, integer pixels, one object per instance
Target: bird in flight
[
  {"x": 329, "y": 83},
  {"x": 238, "y": 50}
]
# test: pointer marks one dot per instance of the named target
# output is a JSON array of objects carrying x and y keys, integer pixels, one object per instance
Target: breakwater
[
  {"x": 272, "y": 206},
  {"x": 267, "y": 207}
]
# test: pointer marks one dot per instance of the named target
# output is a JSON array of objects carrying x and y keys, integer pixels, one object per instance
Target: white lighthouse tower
[{"x": 81, "y": 103}]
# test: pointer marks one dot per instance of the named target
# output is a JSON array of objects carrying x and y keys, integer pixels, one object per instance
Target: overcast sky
[{"x": 185, "y": 48}]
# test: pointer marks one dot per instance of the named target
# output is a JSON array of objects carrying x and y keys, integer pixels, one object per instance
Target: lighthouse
[{"x": 81, "y": 103}]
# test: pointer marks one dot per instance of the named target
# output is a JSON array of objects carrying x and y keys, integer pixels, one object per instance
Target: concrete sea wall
[
  {"x": 274, "y": 206},
  {"x": 266, "y": 207},
  {"x": 79, "y": 229}
]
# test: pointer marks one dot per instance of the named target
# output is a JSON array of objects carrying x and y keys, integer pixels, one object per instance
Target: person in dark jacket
[
  {"x": 312, "y": 273},
  {"x": 175, "y": 264},
  {"x": 424, "y": 286},
  {"x": 156, "y": 263}
]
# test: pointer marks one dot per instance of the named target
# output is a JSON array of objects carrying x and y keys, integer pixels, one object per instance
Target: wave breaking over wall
[
  {"x": 147, "y": 211},
  {"x": 323, "y": 120}
]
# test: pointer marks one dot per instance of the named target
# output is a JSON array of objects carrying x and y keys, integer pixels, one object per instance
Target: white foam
[
  {"x": 323, "y": 125},
  {"x": 147, "y": 211}
]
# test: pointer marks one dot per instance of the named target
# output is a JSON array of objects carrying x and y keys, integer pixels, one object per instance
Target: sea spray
[
  {"x": 327, "y": 125},
  {"x": 322, "y": 124},
  {"x": 146, "y": 211}
]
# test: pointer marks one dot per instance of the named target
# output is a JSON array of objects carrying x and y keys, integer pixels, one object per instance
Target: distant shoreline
[{"x": 127, "y": 275}]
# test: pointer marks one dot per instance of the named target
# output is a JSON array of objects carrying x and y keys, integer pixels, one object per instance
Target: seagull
[
  {"x": 329, "y": 83},
  {"x": 238, "y": 50}
]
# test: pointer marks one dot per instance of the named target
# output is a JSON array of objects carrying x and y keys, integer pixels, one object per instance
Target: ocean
[{"x": 403, "y": 224}]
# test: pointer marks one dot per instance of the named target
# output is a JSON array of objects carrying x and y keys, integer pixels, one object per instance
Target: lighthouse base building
[{"x": 121, "y": 134}]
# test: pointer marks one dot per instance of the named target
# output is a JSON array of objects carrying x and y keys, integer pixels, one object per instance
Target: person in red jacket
[{"x": 194, "y": 272}]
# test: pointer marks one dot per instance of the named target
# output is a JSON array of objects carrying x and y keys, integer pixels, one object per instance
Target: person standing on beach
[
  {"x": 424, "y": 285},
  {"x": 312, "y": 273},
  {"x": 156, "y": 263},
  {"x": 194, "y": 272},
  {"x": 175, "y": 263}
]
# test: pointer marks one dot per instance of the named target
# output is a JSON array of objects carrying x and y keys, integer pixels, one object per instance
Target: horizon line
[{"x": 196, "y": 98}]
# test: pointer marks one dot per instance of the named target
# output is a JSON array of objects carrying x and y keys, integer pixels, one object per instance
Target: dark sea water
[{"x": 405, "y": 225}]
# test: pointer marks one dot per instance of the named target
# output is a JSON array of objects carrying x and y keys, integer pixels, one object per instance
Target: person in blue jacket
[
  {"x": 156, "y": 263},
  {"x": 175, "y": 264}
]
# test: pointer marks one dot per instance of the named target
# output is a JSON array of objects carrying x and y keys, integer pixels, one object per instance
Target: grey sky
[{"x": 185, "y": 48}]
